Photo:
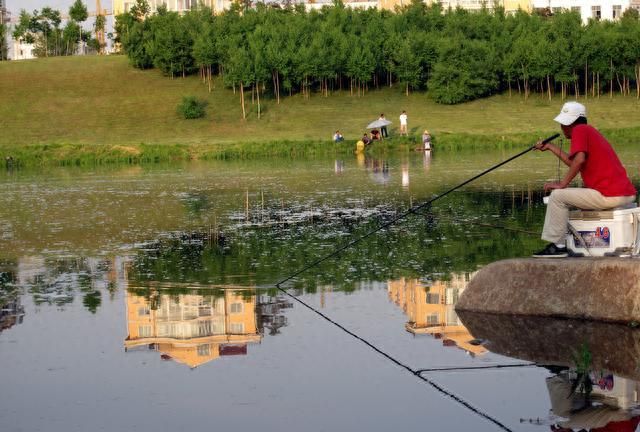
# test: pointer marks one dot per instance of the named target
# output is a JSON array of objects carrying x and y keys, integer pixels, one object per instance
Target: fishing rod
[{"x": 412, "y": 210}]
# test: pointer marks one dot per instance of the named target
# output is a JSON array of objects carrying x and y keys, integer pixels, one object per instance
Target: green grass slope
[{"x": 91, "y": 100}]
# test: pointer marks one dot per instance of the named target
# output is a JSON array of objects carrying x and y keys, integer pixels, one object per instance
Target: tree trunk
[
  {"x": 407, "y": 91},
  {"x": 549, "y": 86},
  {"x": 541, "y": 88},
  {"x": 244, "y": 114},
  {"x": 273, "y": 80},
  {"x": 593, "y": 84},
  {"x": 620, "y": 85},
  {"x": 611, "y": 82},
  {"x": 258, "y": 94},
  {"x": 586, "y": 80}
]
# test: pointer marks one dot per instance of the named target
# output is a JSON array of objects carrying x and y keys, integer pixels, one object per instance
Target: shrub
[{"x": 192, "y": 108}]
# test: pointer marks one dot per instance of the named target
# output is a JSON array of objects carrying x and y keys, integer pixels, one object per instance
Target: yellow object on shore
[{"x": 359, "y": 147}]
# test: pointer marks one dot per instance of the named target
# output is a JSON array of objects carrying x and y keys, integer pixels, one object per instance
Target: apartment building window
[
  {"x": 235, "y": 308},
  {"x": 143, "y": 311},
  {"x": 433, "y": 319},
  {"x": 144, "y": 331},
  {"x": 617, "y": 12},
  {"x": 596, "y": 12},
  {"x": 433, "y": 298},
  {"x": 204, "y": 350},
  {"x": 576, "y": 9},
  {"x": 236, "y": 328},
  {"x": 556, "y": 10}
]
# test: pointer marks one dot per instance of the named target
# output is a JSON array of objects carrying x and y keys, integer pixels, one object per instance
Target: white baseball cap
[{"x": 570, "y": 113}]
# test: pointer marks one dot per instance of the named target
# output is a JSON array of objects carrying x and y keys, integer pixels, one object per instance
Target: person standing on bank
[
  {"x": 383, "y": 129},
  {"x": 403, "y": 123},
  {"x": 606, "y": 184}
]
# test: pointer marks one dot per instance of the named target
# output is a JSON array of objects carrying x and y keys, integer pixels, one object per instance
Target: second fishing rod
[{"x": 412, "y": 210}]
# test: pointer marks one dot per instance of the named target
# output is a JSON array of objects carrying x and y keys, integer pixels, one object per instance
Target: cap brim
[{"x": 566, "y": 119}]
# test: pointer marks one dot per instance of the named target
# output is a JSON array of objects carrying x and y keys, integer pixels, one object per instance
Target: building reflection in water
[
  {"x": 11, "y": 310},
  {"x": 601, "y": 358},
  {"x": 430, "y": 310},
  {"x": 11, "y": 313},
  {"x": 196, "y": 328}
]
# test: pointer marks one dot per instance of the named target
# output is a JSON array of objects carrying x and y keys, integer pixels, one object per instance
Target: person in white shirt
[
  {"x": 403, "y": 123},
  {"x": 383, "y": 129},
  {"x": 337, "y": 137}
]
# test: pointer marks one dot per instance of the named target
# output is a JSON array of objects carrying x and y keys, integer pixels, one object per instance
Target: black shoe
[{"x": 552, "y": 251}]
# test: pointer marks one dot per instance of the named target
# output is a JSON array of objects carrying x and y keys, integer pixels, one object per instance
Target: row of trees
[
  {"x": 43, "y": 28},
  {"x": 456, "y": 55}
]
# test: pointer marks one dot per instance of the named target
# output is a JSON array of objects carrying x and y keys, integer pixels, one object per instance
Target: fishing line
[
  {"x": 460, "y": 368},
  {"x": 416, "y": 373},
  {"x": 412, "y": 210},
  {"x": 389, "y": 357}
]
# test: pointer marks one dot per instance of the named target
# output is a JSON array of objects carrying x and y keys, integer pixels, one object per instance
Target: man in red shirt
[{"x": 606, "y": 184}]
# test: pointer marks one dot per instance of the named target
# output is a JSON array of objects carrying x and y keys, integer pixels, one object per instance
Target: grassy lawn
[{"x": 102, "y": 100}]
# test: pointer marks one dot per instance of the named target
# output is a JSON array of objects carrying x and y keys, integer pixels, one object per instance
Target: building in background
[
  {"x": 218, "y": 6},
  {"x": 5, "y": 16},
  {"x": 610, "y": 10},
  {"x": 588, "y": 9}
]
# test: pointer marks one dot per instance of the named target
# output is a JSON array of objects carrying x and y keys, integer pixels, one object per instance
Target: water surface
[{"x": 143, "y": 298}]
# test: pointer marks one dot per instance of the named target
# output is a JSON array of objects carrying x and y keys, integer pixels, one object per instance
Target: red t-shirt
[{"x": 602, "y": 169}]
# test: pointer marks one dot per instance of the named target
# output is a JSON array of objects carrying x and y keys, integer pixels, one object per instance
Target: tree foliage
[
  {"x": 454, "y": 55},
  {"x": 43, "y": 29}
]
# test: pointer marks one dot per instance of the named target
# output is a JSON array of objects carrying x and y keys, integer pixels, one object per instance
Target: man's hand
[
  {"x": 543, "y": 147},
  {"x": 554, "y": 185}
]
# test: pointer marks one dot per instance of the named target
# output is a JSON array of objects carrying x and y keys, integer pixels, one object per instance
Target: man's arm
[
  {"x": 574, "y": 168},
  {"x": 564, "y": 157}
]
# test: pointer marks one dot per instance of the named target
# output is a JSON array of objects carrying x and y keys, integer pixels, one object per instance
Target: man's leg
[{"x": 560, "y": 200}]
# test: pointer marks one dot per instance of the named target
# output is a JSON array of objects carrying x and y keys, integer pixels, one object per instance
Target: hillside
[{"x": 103, "y": 100}]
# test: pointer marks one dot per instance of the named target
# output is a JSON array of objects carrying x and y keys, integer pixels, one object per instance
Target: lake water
[{"x": 143, "y": 298}]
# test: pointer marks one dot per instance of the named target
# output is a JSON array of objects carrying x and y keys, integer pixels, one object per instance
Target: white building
[
  {"x": 122, "y": 6},
  {"x": 589, "y": 9},
  {"x": 21, "y": 51},
  {"x": 4, "y": 13},
  {"x": 355, "y": 4}
]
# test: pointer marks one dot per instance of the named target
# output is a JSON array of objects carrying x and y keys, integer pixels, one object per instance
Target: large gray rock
[{"x": 605, "y": 289}]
